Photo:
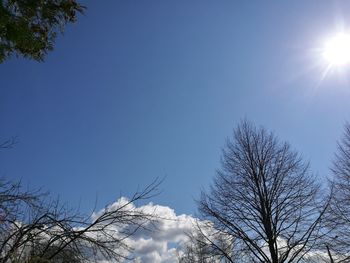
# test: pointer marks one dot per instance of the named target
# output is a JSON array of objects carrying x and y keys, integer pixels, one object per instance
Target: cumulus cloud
[{"x": 158, "y": 241}]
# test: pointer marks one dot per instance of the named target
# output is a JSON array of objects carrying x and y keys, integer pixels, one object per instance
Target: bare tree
[
  {"x": 206, "y": 245},
  {"x": 265, "y": 197},
  {"x": 33, "y": 229},
  {"x": 196, "y": 250},
  {"x": 338, "y": 247},
  {"x": 37, "y": 229}
]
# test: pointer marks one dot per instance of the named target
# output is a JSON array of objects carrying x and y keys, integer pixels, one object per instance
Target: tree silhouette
[
  {"x": 338, "y": 217},
  {"x": 29, "y": 28},
  {"x": 265, "y": 197}
]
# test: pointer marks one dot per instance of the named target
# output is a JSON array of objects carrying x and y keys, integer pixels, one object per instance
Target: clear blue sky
[{"x": 142, "y": 89}]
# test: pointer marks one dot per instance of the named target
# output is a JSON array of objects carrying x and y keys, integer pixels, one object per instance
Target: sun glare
[{"x": 337, "y": 50}]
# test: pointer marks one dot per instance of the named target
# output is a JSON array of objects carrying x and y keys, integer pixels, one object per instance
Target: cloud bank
[{"x": 159, "y": 241}]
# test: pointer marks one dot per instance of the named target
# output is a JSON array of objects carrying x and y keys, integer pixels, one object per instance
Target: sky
[{"x": 137, "y": 90}]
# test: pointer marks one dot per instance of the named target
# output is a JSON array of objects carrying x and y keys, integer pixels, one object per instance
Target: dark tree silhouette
[
  {"x": 36, "y": 229},
  {"x": 33, "y": 229},
  {"x": 265, "y": 197},
  {"x": 338, "y": 247},
  {"x": 28, "y": 28}
]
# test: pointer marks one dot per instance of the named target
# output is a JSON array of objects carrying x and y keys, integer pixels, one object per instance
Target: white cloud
[
  {"x": 157, "y": 241},
  {"x": 156, "y": 245}
]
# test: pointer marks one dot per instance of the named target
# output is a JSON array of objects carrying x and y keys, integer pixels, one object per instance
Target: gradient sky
[{"x": 142, "y": 89}]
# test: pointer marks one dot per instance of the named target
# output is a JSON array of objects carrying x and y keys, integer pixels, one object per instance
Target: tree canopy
[{"x": 28, "y": 28}]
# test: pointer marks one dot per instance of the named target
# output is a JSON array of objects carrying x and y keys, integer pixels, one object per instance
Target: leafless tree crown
[
  {"x": 338, "y": 216},
  {"x": 265, "y": 197},
  {"x": 35, "y": 230}
]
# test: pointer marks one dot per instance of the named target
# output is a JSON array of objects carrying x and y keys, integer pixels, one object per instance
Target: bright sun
[{"x": 337, "y": 50}]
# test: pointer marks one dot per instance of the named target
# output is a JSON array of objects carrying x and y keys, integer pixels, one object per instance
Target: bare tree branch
[
  {"x": 338, "y": 216},
  {"x": 33, "y": 228},
  {"x": 265, "y": 197}
]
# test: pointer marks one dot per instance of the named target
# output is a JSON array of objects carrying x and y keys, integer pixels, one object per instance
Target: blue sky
[{"x": 142, "y": 89}]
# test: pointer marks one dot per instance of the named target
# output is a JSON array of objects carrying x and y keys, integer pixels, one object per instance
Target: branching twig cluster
[{"x": 33, "y": 228}]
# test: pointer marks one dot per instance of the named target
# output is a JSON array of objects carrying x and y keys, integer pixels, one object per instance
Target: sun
[{"x": 337, "y": 50}]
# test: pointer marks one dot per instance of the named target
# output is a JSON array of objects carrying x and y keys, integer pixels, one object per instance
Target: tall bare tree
[
  {"x": 338, "y": 247},
  {"x": 265, "y": 197}
]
